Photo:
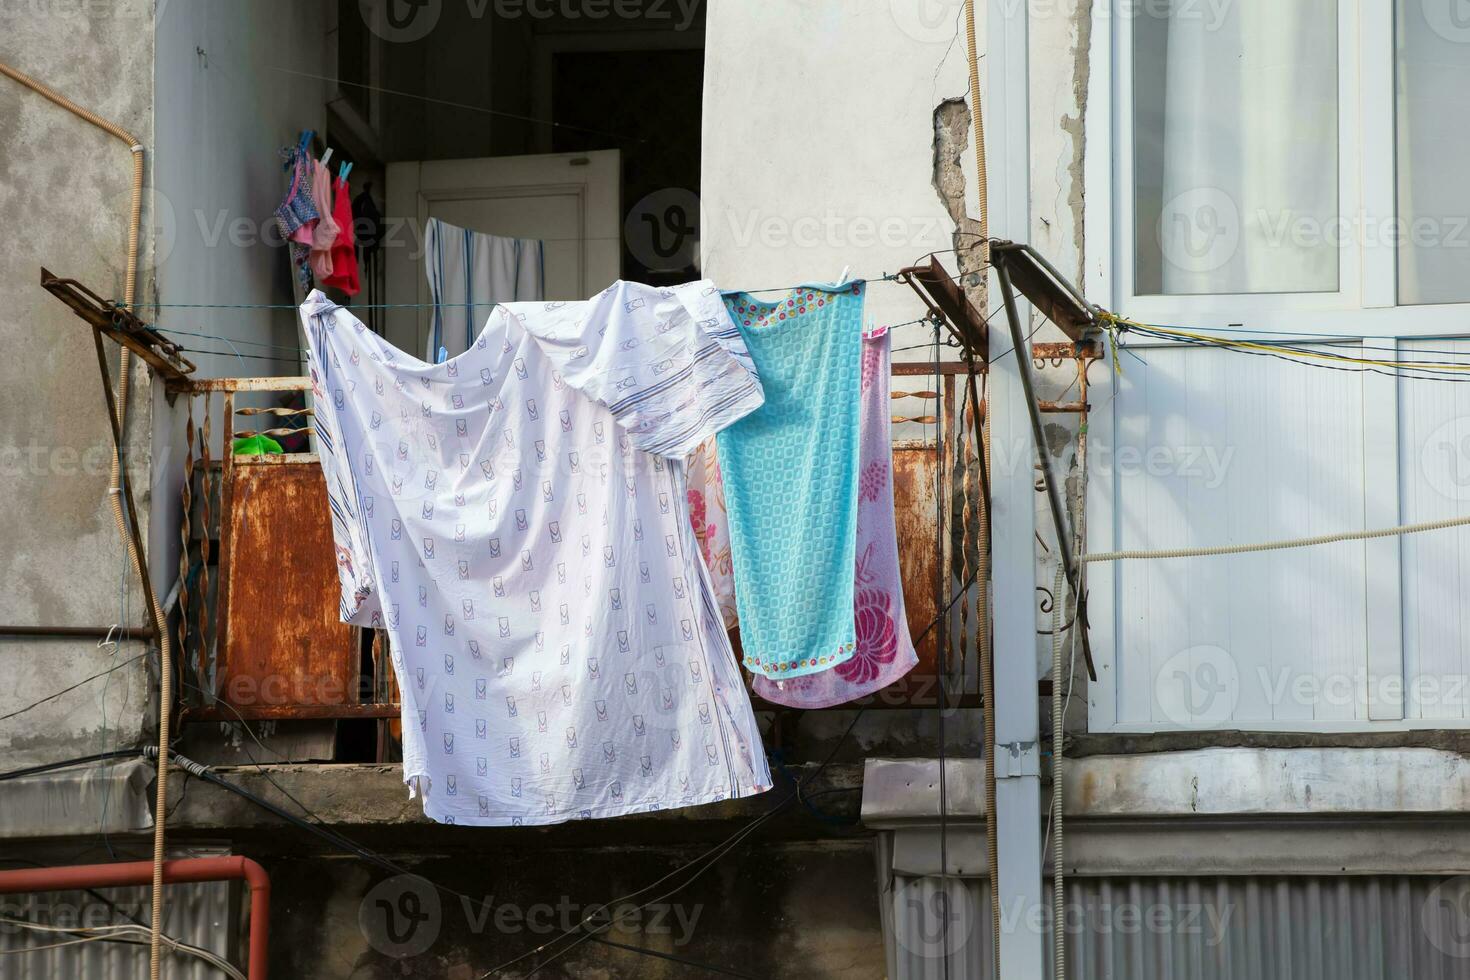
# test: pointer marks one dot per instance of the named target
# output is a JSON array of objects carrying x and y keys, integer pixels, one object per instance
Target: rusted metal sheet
[
  {"x": 915, "y": 477},
  {"x": 282, "y": 644},
  {"x": 1057, "y": 353},
  {"x": 201, "y": 385}
]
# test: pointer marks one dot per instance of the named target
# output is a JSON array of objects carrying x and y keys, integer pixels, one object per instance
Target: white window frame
[
  {"x": 1364, "y": 306},
  {"x": 1365, "y": 303}
]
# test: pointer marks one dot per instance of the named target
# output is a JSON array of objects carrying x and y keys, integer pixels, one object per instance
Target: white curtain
[
  {"x": 1432, "y": 69},
  {"x": 469, "y": 272},
  {"x": 1246, "y": 165}
]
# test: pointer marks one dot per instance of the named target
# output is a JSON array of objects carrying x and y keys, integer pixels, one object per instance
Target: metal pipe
[
  {"x": 100, "y": 632},
  {"x": 186, "y": 870},
  {"x": 1023, "y": 364},
  {"x": 1053, "y": 495}
]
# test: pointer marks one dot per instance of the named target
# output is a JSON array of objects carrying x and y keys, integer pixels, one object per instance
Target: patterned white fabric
[{"x": 516, "y": 519}]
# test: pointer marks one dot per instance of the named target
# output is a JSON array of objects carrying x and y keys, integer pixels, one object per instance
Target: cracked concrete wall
[{"x": 64, "y": 190}]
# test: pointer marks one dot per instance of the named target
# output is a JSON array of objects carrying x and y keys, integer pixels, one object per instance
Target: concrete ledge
[
  {"x": 371, "y": 802},
  {"x": 1224, "y": 811},
  {"x": 1237, "y": 782},
  {"x": 111, "y": 798},
  {"x": 1274, "y": 782}
]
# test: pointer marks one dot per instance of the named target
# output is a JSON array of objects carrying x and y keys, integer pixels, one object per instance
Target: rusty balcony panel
[
  {"x": 282, "y": 644},
  {"x": 915, "y": 475}
]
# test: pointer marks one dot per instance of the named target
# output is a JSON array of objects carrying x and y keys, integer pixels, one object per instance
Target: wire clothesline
[{"x": 886, "y": 277}]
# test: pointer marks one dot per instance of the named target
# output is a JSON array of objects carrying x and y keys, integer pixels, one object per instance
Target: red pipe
[{"x": 122, "y": 874}]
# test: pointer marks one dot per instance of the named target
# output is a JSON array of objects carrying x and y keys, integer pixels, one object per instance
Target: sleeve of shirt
[
  {"x": 359, "y": 603},
  {"x": 668, "y": 363}
]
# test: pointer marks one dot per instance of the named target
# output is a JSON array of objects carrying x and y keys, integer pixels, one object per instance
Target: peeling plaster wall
[{"x": 64, "y": 188}]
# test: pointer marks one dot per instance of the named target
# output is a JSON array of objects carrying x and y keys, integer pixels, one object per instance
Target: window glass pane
[
  {"x": 1432, "y": 75},
  {"x": 1235, "y": 146}
]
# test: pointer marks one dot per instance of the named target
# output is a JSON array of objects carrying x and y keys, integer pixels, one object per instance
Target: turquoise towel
[{"x": 790, "y": 472}]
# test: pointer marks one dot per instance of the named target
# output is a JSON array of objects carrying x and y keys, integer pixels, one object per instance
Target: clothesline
[{"x": 886, "y": 277}]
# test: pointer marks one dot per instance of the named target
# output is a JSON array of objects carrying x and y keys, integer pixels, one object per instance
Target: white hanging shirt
[{"x": 515, "y": 518}]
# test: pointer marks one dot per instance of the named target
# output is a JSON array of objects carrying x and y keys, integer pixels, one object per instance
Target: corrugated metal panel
[
  {"x": 201, "y": 914},
  {"x": 1280, "y": 928}
]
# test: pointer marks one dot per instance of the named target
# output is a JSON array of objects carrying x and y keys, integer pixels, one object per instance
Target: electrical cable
[
  {"x": 118, "y": 933},
  {"x": 941, "y": 658},
  {"x": 66, "y": 690},
  {"x": 1426, "y": 370},
  {"x": 69, "y": 763}
]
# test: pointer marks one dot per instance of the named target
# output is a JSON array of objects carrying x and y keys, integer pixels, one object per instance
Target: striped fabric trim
[
  {"x": 620, "y": 408},
  {"x": 343, "y": 495},
  {"x": 712, "y": 419}
]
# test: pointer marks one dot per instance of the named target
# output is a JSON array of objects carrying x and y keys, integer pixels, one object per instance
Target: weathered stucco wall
[{"x": 64, "y": 188}]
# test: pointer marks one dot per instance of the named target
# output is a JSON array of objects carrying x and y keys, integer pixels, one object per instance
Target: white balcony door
[{"x": 569, "y": 201}]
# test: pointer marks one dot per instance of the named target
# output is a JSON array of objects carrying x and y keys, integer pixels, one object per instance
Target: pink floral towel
[
  {"x": 712, "y": 527},
  {"x": 885, "y": 652}
]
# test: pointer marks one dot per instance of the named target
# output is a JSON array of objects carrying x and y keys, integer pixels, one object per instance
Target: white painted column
[{"x": 1013, "y": 509}]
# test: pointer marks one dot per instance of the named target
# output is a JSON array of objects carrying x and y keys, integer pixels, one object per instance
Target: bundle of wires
[
  {"x": 1439, "y": 365},
  {"x": 130, "y": 933}
]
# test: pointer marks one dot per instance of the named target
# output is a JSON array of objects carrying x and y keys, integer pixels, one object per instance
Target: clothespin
[
  {"x": 443, "y": 355},
  {"x": 306, "y": 135},
  {"x": 325, "y": 157},
  {"x": 845, "y": 270},
  {"x": 343, "y": 171}
]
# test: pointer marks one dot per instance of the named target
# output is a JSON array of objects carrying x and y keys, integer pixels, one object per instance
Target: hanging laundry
[
  {"x": 344, "y": 275},
  {"x": 324, "y": 235},
  {"x": 515, "y": 519},
  {"x": 712, "y": 526},
  {"x": 885, "y": 651},
  {"x": 791, "y": 480},
  {"x": 297, "y": 216},
  {"x": 469, "y": 272}
]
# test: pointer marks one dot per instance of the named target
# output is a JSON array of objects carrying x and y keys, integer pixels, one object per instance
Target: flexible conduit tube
[
  {"x": 115, "y": 498},
  {"x": 987, "y": 661},
  {"x": 1058, "y": 894}
]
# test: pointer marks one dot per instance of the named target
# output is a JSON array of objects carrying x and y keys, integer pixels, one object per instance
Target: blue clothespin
[
  {"x": 443, "y": 355},
  {"x": 343, "y": 171}
]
